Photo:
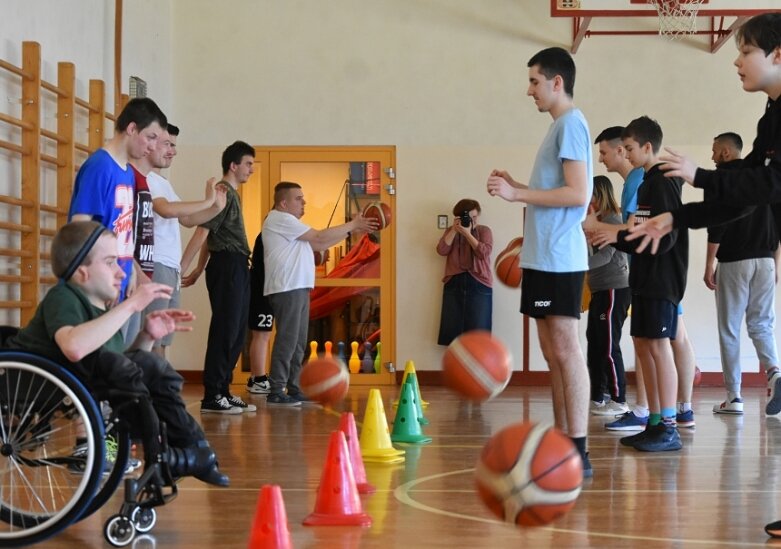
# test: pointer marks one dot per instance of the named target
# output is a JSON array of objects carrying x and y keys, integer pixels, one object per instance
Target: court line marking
[{"x": 401, "y": 493}]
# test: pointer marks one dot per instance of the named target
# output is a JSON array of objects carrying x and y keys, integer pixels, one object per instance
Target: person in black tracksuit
[{"x": 757, "y": 182}]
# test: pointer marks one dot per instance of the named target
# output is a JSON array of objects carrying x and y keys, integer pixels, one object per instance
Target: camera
[{"x": 466, "y": 219}]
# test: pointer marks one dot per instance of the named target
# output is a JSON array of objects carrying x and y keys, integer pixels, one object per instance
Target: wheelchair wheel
[
  {"x": 111, "y": 477},
  {"x": 46, "y": 477},
  {"x": 144, "y": 519},
  {"x": 119, "y": 531}
]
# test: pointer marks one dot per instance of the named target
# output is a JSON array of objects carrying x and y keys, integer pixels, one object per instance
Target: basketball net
[{"x": 677, "y": 17}]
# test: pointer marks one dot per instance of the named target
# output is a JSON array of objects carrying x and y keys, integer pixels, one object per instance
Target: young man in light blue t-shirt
[{"x": 555, "y": 252}]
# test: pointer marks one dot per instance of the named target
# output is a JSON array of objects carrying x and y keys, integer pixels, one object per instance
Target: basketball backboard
[{"x": 717, "y": 19}]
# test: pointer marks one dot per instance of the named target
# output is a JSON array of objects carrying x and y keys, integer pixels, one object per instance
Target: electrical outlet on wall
[{"x": 442, "y": 222}]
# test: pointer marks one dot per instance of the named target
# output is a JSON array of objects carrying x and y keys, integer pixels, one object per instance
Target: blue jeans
[{"x": 466, "y": 305}]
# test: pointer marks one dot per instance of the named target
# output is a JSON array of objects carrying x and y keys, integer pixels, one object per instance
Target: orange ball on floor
[
  {"x": 325, "y": 380},
  {"x": 529, "y": 474}
]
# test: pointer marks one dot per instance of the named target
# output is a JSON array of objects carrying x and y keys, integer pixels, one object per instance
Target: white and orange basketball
[
  {"x": 380, "y": 212},
  {"x": 529, "y": 474},
  {"x": 508, "y": 264},
  {"x": 325, "y": 380},
  {"x": 477, "y": 365}
]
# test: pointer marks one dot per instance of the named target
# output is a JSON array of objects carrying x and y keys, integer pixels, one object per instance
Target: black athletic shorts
[
  {"x": 653, "y": 318},
  {"x": 261, "y": 317},
  {"x": 551, "y": 294}
]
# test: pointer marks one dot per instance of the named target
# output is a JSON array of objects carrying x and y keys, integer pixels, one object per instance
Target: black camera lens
[{"x": 466, "y": 220}]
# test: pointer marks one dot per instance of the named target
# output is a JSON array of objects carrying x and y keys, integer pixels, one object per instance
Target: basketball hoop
[{"x": 677, "y": 17}]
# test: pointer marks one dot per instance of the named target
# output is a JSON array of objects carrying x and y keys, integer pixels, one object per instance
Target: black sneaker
[
  {"x": 664, "y": 438},
  {"x": 259, "y": 385},
  {"x": 300, "y": 397},
  {"x": 588, "y": 471},
  {"x": 236, "y": 402},
  {"x": 279, "y": 399},
  {"x": 218, "y": 405},
  {"x": 632, "y": 439},
  {"x": 773, "y": 529}
]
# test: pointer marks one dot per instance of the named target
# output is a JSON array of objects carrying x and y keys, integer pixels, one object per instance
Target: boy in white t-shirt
[{"x": 169, "y": 212}]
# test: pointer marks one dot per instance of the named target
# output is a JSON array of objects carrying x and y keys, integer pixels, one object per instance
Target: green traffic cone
[
  {"x": 412, "y": 379},
  {"x": 406, "y": 427}
]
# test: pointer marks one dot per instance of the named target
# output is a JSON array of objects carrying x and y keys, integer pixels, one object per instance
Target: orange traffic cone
[
  {"x": 376, "y": 446},
  {"x": 337, "y": 502},
  {"x": 347, "y": 426},
  {"x": 269, "y": 529}
]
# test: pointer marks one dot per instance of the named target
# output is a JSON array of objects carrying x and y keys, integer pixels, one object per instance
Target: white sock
[{"x": 640, "y": 411}]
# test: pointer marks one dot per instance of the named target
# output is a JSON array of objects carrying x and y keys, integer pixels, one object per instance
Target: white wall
[
  {"x": 445, "y": 82},
  {"x": 442, "y": 80}
]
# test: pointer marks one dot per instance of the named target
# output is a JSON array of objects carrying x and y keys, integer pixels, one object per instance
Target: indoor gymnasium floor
[{"x": 719, "y": 491}]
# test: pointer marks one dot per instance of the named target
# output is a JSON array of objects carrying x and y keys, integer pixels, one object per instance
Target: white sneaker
[
  {"x": 612, "y": 408},
  {"x": 735, "y": 406},
  {"x": 596, "y": 407},
  {"x": 773, "y": 406}
]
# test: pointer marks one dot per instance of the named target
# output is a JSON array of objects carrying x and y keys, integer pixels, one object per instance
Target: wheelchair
[{"x": 45, "y": 413}]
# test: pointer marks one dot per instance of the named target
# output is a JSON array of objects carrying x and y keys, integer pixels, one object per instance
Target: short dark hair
[
  {"x": 556, "y": 61},
  {"x": 644, "y": 130},
  {"x": 281, "y": 189},
  {"x": 143, "y": 111},
  {"x": 762, "y": 31},
  {"x": 173, "y": 130},
  {"x": 69, "y": 242},
  {"x": 732, "y": 138},
  {"x": 234, "y": 153},
  {"x": 466, "y": 205},
  {"x": 612, "y": 133}
]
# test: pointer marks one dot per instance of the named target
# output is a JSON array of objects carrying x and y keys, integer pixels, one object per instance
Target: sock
[
  {"x": 640, "y": 411},
  {"x": 732, "y": 395},
  {"x": 668, "y": 412},
  {"x": 771, "y": 372},
  {"x": 654, "y": 419},
  {"x": 684, "y": 407},
  {"x": 580, "y": 444},
  {"x": 668, "y": 421}
]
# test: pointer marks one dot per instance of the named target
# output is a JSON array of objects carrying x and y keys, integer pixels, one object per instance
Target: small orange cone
[
  {"x": 269, "y": 529},
  {"x": 347, "y": 426},
  {"x": 337, "y": 502}
]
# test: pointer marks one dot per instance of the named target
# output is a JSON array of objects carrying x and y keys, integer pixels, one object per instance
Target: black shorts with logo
[
  {"x": 261, "y": 317},
  {"x": 653, "y": 318},
  {"x": 551, "y": 294}
]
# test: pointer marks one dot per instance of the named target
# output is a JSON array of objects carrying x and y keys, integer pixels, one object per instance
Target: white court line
[{"x": 401, "y": 493}]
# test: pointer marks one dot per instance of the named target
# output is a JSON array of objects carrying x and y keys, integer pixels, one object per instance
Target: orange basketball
[
  {"x": 529, "y": 474},
  {"x": 379, "y": 211},
  {"x": 325, "y": 380},
  {"x": 477, "y": 365},
  {"x": 508, "y": 264}
]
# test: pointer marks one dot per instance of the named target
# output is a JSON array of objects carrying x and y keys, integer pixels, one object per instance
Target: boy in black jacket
[{"x": 657, "y": 282}]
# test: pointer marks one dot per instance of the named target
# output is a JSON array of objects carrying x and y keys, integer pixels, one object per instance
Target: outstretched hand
[
  {"x": 147, "y": 293},
  {"x": 677, "y": 165},
  {"x": 652, "y": 231},
  {"x": 365, "y": 224},
  {"x": 159, "y": 324},
  {"x": 601, "y": 237}
]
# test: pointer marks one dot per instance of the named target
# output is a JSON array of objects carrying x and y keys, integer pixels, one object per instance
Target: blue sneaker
[
  {"x": 628, "y": 422},
  {"x": 685, "y": 419}
]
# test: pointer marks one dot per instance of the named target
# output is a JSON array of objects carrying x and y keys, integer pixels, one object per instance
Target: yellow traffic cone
[
  {"x": 375, "y": 437},
  {"x": 409, "y": 368}
]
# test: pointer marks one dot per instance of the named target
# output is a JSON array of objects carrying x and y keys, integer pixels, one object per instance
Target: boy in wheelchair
[{"x": 76, "y": 325}]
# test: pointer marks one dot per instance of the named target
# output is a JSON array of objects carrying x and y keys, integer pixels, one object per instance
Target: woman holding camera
[{"x": 468, "y": 294}]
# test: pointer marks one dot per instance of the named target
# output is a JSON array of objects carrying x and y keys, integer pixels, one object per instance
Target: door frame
[{"x": 257, "y": 196}]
